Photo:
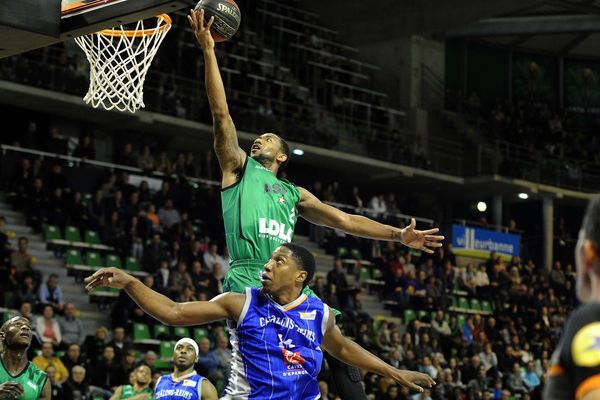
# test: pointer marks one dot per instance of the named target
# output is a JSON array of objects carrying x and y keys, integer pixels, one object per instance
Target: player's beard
[{"x": 264, "y": 160}]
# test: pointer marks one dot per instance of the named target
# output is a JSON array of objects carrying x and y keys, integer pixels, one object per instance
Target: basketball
[{"x": 227, "y": 17}]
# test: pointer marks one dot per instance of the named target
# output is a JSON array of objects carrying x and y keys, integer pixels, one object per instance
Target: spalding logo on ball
[{"x": 227, "y": 17}]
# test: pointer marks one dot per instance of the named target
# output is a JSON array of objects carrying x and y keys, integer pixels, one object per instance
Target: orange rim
[{"x": 136, "y": 33}]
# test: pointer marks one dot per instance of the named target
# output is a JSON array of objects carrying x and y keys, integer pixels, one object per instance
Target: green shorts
[{"x": 241, "y": 277}]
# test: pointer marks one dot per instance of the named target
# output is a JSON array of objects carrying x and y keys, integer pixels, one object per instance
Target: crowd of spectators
[{"x": 532, "y": 132}]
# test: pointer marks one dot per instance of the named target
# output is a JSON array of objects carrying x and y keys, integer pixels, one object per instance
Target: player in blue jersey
[
  {"x": 184, "y": 383},
  {"x": 278, "y": 334}
]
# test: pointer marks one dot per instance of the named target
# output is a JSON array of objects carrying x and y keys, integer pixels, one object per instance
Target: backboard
[{"x": 29, "y": 24}]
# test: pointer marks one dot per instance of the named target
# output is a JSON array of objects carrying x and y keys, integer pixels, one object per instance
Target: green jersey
[
  {"x": 259, "y": 214},
  {"x": 127, "y": 391},
  {"x": 32, "y": 379}
]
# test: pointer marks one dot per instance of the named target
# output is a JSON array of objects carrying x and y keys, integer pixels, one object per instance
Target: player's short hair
[
  {"x": 591, "y": 221},
  {"x": 285, "y": 147},
  {"x": 305, "y": 260}
]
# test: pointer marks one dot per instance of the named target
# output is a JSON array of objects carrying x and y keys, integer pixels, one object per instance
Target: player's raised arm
[
  {"x": 231, "y": 156},
  {"x": 319, "y": 213},
  {"x": 351, "y": 353},
  {"x": 227, "y": 305}
]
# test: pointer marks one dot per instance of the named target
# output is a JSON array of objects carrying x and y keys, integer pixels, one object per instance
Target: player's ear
[
  {"x": 302, "y": 276},
  {"x": 282, "y": 157},
  {"x": 591, "y": 258}
]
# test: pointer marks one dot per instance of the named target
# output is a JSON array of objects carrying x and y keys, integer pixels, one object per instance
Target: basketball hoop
[{"x": 119, "y": 60}]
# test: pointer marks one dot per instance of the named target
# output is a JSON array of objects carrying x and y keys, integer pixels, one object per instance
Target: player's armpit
[
  {"x": 224, "y": 306},
  {"x": 589, "y": 389}
]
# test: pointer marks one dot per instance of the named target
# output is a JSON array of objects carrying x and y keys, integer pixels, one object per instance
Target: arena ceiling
[{"x": 565, "y": 27}]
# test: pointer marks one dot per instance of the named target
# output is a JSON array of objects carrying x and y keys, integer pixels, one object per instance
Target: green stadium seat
[
  {"x": 454, "y": 301},
  {"x": 166, "y": 349},
  {"x": 342, "y": 252},
  {"x": 421, "y": 314},
  {"x": 355, "y": 254},
  {"x": 377, "y": 274},
  {"x": 364, "y": 274},
  {"x": 475, "y": 305},
  {"x": 51, "y": 233},
  {"x": 93, "y": 259},
  {"x": 409, "y": 316},
  {"x": 91, "y": 237},
  {"x": 463, "y": 303},
  {"x": 199, "y": 334},
  {"x": 72, "y": 234},
  {"x": 486, "y": 306},
  {"x": 141, "y": 334},
  {"x": 461, "y": 319},
  {"x": 181, "y": 332},
  {"x": 161, "y": 332},
  {"x": 113, "y": 260},
  {"x": 132, "y": 264},
  {"x": 74, "y": 257}
]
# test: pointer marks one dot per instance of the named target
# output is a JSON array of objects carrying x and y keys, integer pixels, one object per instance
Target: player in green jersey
[
  {"x": 20, "y": 379},
  {"x": 139, "y": 389},
  {"x": 260, "y": 210}
]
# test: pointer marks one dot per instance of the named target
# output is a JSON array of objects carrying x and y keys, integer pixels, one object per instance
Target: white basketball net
[{"x": 119, "y": 60}]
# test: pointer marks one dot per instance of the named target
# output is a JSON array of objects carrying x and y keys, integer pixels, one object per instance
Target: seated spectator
[
  {"x": 51, "y": 293},
  {"x": 48, "y": 358},
  {"x": 440, "y": 325},
  {"x": 489, "y": 360},
  {"x": 207, "y": 358},
  {"x": 120, "y": 343},
  {"x": 47, "y": 328},
  {"x": 168, "y": 215},
  {"x": 181, "y": 278},
  {"x": 211, "y": 257},
  {"x": 215, "y": 281},
  {"x": 153, "y": 217},
  {"x": 339, "y": 287},
  {"x": 478, "y": 385},
  {"x": 149, "y": 360},
  {"x": 25, "y": 311},
  {"x": 145, "y": 161},
  {"x": 141, "y": 378},
  {"x": 28, "y": 292},
  {"x": 85, "y": 149},
  {"x": 128, "y": 362},
  {"x": 113, "y": 232},
  {"x": 55, "y": 387},
  {"x": 154, "y": 253},
  {"x": 223, "y": 354},
  {"x": 76, "y": 387},
  {"x": 94, "y": 345},
  {"x": 514, "y": 380},
  {"x": 70, "y": 326},
  {"x": 23, "y": 262},
  {"x": 530, "y": 378},
  {"x": 105, "y": 373},
  {"x": 163, "y": 278},
  {"x": 72, "y": 357}
]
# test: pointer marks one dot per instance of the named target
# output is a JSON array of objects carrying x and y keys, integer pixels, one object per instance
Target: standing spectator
[
  {"x": 168, "y": 215},
  {"x": 377, "y": 204},
  {"x": 72, "y": 357},
  {"x": 47, "y": 328},
  {"x": 47, "y": 358},
  {"x": 71, "y": 326},
  {"x": 76, "y": 387},
  {"x": 51, "y": 294}
]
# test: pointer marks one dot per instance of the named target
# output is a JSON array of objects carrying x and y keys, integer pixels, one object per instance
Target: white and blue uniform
[
  {"x": 276, "y": 349},
  {"x": 188, "y": 387}
]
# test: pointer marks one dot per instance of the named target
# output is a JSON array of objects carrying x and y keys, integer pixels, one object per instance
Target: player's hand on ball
[
  {"x": 413, "y": 380},
  {"x": 11, "y": 390},
  {"x": 108, "y": 277},
  {"x": 202, "y": 29},
  {"x": 420, "y": 240}
]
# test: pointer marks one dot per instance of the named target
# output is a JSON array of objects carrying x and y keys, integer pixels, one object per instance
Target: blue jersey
[
  {"x": 276, "y": 349},
  {"x": 188, "y": 387}
]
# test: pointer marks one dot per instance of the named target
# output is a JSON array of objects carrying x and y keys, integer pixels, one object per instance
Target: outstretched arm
[
  {"x": 168, "y": 312},
  {"x": 231, "y": 156},
  {"x": 319, "y": 213},
  {"x": 351, "y": 353}
]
